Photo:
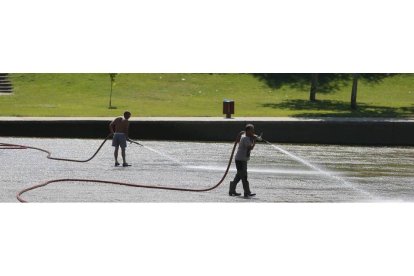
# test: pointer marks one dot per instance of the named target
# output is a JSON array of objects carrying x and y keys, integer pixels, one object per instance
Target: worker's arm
[
  {"x": 127, "y": 131},
  {"x": 239, "y": 136},
  {"x": 112, "y": 125},
  {"x": 255, "y": 138},
  {"x": 253, "y": 144}
]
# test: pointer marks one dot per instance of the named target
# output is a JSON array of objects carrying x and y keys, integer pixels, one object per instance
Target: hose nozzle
[
  {"x": 135, "y": 142},
  {"x": 259, "y": 137}
]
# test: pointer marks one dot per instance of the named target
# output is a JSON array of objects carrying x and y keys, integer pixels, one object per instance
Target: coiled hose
[{"x": 49, "y": 156}]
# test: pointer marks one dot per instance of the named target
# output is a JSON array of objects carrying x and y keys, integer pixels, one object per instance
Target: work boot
[{"x": 232, "y": 191}]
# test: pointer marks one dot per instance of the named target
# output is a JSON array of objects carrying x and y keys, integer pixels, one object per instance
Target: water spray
[
  {"x": 324, "y": 172},
  {"x": 157, "y": 152}
]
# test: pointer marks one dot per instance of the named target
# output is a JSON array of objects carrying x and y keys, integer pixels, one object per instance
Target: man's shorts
[{"x": 119, "y": 139}]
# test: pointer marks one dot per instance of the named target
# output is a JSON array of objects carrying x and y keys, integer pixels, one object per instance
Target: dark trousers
[{"x": 241, "y": 175}]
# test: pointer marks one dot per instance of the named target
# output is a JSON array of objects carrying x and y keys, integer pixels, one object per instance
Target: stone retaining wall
[{"x": 344, "y": 132}]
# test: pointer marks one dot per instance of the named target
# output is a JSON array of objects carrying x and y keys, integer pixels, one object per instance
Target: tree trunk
[
  {"x": 314, "y": 87},
  {"x": 354, "y": 92},
  {"x": 110, "y": 95},
  {"x": 112, "y": 76}
]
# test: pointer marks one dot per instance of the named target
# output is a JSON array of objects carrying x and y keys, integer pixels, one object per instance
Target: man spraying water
[{"x": 246, "y": 144}]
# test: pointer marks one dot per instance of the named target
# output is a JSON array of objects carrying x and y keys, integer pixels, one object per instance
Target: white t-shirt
[{"x": 243, "y": 152}]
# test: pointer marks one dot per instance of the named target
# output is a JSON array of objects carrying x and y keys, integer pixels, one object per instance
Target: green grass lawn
[{"x": 199, "y": 95}]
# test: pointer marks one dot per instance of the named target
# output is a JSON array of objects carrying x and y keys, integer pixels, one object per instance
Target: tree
[
  {"x": 314, "y": 87},
  {"x": 112, "y": 77},
  {"x": 354, "y": 91}
]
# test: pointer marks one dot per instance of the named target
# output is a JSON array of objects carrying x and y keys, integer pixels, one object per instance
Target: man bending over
[{"x": 119, "y": 128}]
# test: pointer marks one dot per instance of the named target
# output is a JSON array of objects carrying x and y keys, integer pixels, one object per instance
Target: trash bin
[{"x": 228, "y": 108}]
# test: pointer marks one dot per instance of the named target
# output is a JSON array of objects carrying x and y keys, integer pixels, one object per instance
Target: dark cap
[{"x": 249, "y": 126}]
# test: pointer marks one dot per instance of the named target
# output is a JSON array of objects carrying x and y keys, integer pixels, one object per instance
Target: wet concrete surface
[{"x": 335, "y": 173}]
